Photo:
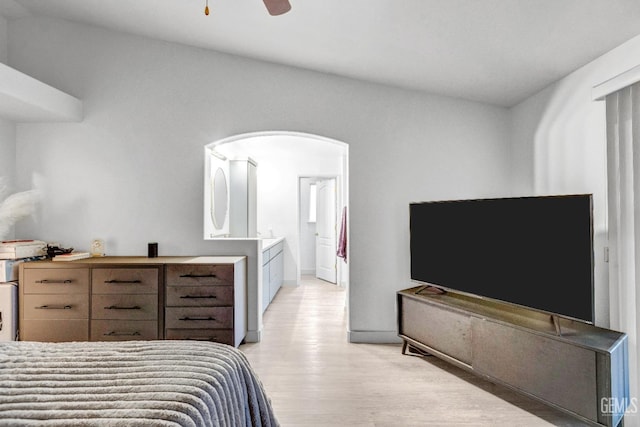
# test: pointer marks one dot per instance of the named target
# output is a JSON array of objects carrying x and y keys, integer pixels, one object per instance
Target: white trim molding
[
  {"x": 614, "y": 84},
  {"x": 374, "y": 337},
  {"x": 25, "y": 99},
  {"x": 253, "y": 336}
]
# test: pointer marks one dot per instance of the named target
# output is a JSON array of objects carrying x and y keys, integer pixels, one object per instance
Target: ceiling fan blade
[{"x": 277, "y": 7}]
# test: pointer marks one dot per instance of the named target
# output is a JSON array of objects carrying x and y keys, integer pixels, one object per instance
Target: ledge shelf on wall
[{"x": 25, "y": 99}]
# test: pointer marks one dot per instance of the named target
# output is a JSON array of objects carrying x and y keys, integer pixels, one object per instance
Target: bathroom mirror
[{"x": 219, "y": 199}]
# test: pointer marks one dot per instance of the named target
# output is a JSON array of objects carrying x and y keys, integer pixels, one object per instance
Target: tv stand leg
[
  {"x": 412, "y": 351},
  {"x": 556, "y": 322}
]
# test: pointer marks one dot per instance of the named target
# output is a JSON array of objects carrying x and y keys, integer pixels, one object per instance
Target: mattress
[{"x": 133, "y": 383}]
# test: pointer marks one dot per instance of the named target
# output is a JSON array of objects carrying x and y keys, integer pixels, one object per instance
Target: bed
[{"x": 132, "y": 383}]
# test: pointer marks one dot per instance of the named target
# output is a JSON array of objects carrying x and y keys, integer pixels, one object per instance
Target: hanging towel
[{"x": 342, "y": 239}]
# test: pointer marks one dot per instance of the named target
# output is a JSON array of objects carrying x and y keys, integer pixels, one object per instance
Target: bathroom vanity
[{"x": 272, "y": 269}]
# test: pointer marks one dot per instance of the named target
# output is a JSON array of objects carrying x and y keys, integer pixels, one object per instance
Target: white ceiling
[{"x": 493, "y": 51}]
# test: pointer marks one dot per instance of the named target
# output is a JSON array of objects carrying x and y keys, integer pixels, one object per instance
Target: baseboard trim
[
  {"x": 307, "y": 272},
  {"x": 252, "y": 336},
  {"x": 374, "y": 337}
]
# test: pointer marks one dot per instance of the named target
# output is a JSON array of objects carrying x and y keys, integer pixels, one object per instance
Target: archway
[{"x": 283, "y": 158}]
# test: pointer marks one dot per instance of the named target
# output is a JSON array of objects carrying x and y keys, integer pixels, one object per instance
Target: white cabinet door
[
  {"x": 276, "y": 269},
  {"x": 266, "y": 292}
]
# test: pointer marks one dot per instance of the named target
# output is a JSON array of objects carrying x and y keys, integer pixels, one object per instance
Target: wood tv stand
[{"x": 582, "y": 372}]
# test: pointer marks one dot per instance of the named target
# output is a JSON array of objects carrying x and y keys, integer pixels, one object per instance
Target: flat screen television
[{"x": 535, "y": 252}]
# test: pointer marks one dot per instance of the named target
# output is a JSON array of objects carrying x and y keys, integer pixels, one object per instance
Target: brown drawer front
[
  {"x": 224, "y": 336},
  {"x": 199, "y": 296},
  {"x": 124, "y": 280},
  {"x": 199, "y": 318},
  {"x": 70, "y": 306},
  {"x": 124, "y": 307},
  {"x": 54, "y": 330},
  {"x": 124, "y": 330},
  {"x": 199, "y": 274},
  {"x": 55, "y": 280}
]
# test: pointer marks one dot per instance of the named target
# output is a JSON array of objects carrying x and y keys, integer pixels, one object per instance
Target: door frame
[{"x": 340, "y": 202}]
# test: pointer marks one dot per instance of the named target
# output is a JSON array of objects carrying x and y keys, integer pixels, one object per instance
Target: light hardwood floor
[{"x": 314, "y": 377}]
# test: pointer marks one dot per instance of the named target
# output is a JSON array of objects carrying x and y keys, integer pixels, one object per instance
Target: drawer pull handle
[
  {"x": 46, "y": 281},
  {"x": 122, "y": 334},
  {"x": 198, "y": 296},
  {"x": 212, "y": 339},
  {"x": 117, "y": 307},
  {"x": 54, "y": 307},
  {"x": 197, "y": 276},
  {"x": 122, "y": 282},
  {"x": 197, "y": 318}
]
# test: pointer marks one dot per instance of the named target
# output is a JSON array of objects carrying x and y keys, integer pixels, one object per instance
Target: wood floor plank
[{"x": 314, "y": 377}]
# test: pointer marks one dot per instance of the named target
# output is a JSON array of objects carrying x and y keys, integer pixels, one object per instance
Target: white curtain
[{"x": 623, "y": 177}]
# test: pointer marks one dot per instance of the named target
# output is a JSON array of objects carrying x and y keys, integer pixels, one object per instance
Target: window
[{"x": 312, "y": 203}]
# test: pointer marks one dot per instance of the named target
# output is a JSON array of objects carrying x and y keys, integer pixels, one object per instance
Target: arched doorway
[{"x": 283, "y": 160}]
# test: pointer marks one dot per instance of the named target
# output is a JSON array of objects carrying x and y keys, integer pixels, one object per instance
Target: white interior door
[{"x": 326, "y": 230}]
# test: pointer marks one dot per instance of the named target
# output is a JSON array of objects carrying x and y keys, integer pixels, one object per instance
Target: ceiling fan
[{"x": 274, "y": 7}]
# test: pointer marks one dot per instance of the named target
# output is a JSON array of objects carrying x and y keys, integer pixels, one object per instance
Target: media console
[{"x": 582, "y": 372}]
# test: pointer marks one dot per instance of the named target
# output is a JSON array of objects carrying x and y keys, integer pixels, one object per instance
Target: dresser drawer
[
  {"x": 199, "y": 317},
  {"x": 68, "y": 306},
  {"x": 125, "y": 307},
  {"x": 55, "y": 280},
  {"x": 224, "y": 336},
  {"x": 54, "y": 330},
  {"x": 199, "y": 296},
  {"x": 124, "y": 280},
  {"x": 124, "y": 330},
  {"x": 199, "y": 274}
]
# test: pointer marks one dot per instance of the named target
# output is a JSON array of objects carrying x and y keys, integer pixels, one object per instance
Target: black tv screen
[{"x": 535, "y": 252}]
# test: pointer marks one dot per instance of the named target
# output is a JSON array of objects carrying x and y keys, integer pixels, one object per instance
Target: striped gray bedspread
[{"x": 134, "y": 383}]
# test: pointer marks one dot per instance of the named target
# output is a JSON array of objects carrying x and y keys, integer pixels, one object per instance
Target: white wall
[
  {"x": 7, "y": 152},
  {"x": 7, "y": 128},
  {"x": 559, "y": 146},
  {"x": 131, "y": 171},
  {"x": 4, "y": 46}
]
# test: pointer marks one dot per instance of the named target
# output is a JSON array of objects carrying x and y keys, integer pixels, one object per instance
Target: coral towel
[{"x": 342, "y": 239}]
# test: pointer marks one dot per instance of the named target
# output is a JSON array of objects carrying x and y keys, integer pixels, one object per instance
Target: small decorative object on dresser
[
  {"x": 97, "y": 247},
  {"x": 18, "y": 249},
  {"x": 71, "y": 256},
  {"x": 15, "y": 207},
  {"x": 152, "y": 250}
]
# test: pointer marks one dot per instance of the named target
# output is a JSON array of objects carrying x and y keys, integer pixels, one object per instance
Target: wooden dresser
[{"x": 134, "y": 298}]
